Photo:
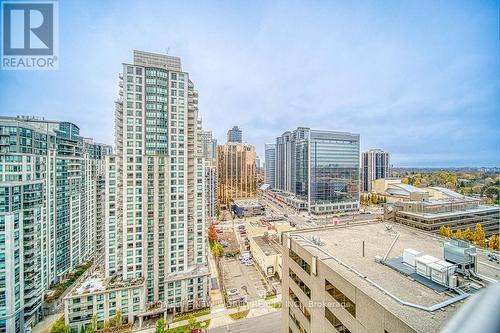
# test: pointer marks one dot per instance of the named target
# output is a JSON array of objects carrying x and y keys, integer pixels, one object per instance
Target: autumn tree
[
  {"x": 217, "y": 250},
  {"x": 479, "y": 235},
  {"x": 458, "y": 234},
  {"x": 467, "y": 234},
  {"x": 212, "y": 233},
  {"x": 493, "y": 243}
]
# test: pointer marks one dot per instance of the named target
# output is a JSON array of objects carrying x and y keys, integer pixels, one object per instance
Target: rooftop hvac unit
[
  {"x": 422, "y": 264},
  {"x": 453, "y": 281},
  {"x": 409, "y": 256},
  {"x": 440, "y": 271}
]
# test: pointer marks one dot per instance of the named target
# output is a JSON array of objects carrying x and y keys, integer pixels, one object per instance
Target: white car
[
  {"x": 232, "y": 292},
  {"x": 248, "y": 263}
]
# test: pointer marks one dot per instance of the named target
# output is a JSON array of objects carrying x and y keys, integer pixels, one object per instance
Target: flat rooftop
[
  {"x": 267, "y": 245},
  {"x": 345, "y": 243},
  {"x": 96, "y": 282}
]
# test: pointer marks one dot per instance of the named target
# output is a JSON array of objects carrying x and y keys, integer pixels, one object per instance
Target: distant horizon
[{"x": 419, "y": 80}]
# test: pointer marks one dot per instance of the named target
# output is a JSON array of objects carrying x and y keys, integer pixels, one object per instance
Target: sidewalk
[{"x": 220, "y": 317}]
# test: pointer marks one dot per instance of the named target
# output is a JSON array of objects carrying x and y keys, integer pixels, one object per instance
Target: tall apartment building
[
  {"x": 321, "y": 169},
  {"x": 270, "y": 164},
  {"x": 209, "y": 153},
  {"x": 209, "y": 145},
  {"x": 234, "y": 135},
  {"x": 374, "y": 277},
  {"x": 50, "y": 192},
  {"x": 237, "y": 172},
  {"x": 375, "y": 164},
  {"x": 155, "y": 242}
]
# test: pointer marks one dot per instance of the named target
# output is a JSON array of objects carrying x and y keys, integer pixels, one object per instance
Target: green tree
[
  {"x": 93, "y": 323},
  {"x": 60, "y": 326},
  {"x": 161, "y": 326},
  {"x": 117, "y": 319},
  {"x": 106, "y": 325},
  {"x": 192, "y": 322},
  {"x": 218, "y": 250}
]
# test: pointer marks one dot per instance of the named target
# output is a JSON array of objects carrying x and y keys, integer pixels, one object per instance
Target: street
[{"x": 268, "y": 323}]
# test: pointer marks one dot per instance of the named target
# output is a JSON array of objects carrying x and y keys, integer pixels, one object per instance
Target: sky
[{"x": 419, "y": 79}]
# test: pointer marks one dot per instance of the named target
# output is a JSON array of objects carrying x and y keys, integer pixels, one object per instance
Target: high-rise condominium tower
[
  {"x": 234, "y": 135},
  {"x": 270, "y": 164},
  {"x": 50, "y": 205},
  {"x": 375, "y": 164},
  {"x": 321, "y": 168}
]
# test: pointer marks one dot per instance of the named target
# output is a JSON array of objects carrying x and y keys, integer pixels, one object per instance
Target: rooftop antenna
[{"x": 167, "y": 50}]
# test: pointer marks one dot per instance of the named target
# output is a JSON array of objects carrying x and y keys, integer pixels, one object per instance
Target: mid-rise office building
[
  {"x": 321, "y": 168},
  {"x": 234, "y": 135},
  {"x": 270, "y": 165},
  {"x": 155, "y": 241},
  {"x": 375, "y": 164},
  {"x": 50, "y": 194},
  {"x": 237, "y": 172},
  {"x": 374, "y": 277},
  {"x": 430, "y": 208}
]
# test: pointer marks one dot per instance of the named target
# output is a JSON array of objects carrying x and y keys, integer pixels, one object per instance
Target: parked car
[
  {"x": 248, "y": 263},
  {"x": 219, "y": 231},
  {"x": 241, "y": 226},
  {"x": 232, "y": 292}
]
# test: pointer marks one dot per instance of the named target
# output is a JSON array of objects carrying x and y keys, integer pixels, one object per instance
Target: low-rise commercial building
[
  {"x": 354, "y": 279},
  {"x": 245, "y": 208},
  {"x": 266, "y": 252},
  {"x": 430, "y": 208}
]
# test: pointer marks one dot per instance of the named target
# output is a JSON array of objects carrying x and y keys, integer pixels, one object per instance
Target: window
[
  {"x": 299, "y": 283},
  {"x": 301, "y": 262},
  {"x": 344, "y": 301},
  {"x": 335, "y": 322},
  {"x": 295, "y": 302}
]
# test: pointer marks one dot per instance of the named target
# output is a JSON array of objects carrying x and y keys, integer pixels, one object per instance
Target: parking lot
[{"x": 245, "y": 279}]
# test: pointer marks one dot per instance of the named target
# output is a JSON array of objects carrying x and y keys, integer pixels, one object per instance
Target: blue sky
[{"x": 419, "y": 79}]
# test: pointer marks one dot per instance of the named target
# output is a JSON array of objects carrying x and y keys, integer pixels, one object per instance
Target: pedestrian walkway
[
  {"x": 46, "y": 324},
  {"x": 220, "y": 317}
]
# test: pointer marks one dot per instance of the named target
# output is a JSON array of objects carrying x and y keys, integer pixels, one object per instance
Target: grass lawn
[
  {"x": 196, "y": 313},
  {"x": 185, "y": 328},
  {"x": 239, "y": 315}
]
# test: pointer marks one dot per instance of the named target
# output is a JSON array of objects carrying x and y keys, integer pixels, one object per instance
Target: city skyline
[{"x": 423, "y": 87}]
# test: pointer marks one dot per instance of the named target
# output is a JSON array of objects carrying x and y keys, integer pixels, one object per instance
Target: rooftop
[
  {"x": 97, "y": 282},
  {"x": 345, "y": 244},
  {"x": 267, "y": 245}
]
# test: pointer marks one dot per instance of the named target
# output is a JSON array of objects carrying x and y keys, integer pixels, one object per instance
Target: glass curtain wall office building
[
  {"x": 320, "y": 167},
  {"x": 50, "y": 192},
  {"x": 270, "y": 164}
]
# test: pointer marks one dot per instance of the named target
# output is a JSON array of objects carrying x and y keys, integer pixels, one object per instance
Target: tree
[
  {"x": 442, "y": 230},
  {"x": 93, "y": 323},
  {"x": 117, "y": 319},
  {"x": 212, "y": 233},
  {"x": 218, "y": 250},
  {"x": 467, "y": 234},
  {"x": 161, "y": 326},
  {"x": 458, "y": 234},
  {"x": 192, "y": 322},
  {"x": 106, "y": 326},
  {"x": 479, "y": 235},
  {"x": 60, "y": 326},
  {"x": 494, "y": 242}
]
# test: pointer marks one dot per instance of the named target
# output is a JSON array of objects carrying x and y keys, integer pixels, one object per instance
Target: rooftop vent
[{"x": 316, "y": 240}]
